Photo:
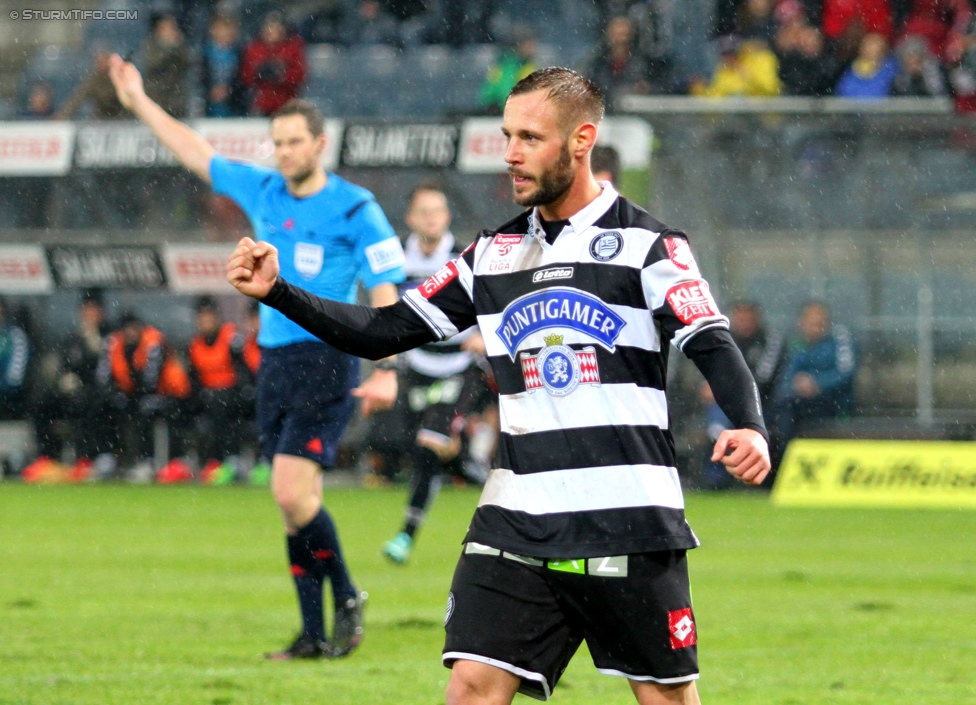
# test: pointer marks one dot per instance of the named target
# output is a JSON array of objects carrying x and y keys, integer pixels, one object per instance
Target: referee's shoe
[
  {"x": 348, "y": 630},
  {"x": 305, "y": 646}
]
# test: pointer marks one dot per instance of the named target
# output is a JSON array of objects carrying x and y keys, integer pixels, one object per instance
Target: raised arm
[
  {"x": 363, "y": 331},
  {"x": 193, "y": 151}
]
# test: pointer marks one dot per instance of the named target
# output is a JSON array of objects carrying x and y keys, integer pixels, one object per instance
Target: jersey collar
[{"x": 579, "y": 221}]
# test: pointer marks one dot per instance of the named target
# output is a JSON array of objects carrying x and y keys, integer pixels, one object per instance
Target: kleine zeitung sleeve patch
[
  {"x": 438, "y": 280},
  {"x": 691, "y": 300}
]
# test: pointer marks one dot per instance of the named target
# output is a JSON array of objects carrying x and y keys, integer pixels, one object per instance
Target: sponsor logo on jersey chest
[{"x": 558, "y": 307}]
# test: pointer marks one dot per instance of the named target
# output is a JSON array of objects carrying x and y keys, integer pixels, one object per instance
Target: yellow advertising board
[{"x": 877, "y": 473}]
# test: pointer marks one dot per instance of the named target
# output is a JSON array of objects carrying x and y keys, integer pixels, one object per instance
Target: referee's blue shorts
[{"x": 303, "y": 400}]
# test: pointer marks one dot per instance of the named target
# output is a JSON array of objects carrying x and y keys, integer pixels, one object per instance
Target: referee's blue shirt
[{"x": 327, "y": 242}]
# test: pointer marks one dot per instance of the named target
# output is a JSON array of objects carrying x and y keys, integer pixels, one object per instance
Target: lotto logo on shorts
[{"x": 681, "y": 624}]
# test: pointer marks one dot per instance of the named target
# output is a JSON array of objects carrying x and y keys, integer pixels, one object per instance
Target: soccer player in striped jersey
[
  {"x": 439, "y": 384},
  {"x": 580, "y": 532}
]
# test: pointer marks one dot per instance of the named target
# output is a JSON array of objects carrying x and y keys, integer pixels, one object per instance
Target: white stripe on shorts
[
  {"x": 651, "y": 679},
  {"x": 515, "y": 670}
]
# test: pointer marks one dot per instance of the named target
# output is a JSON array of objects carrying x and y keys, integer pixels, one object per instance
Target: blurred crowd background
[{"x": 818, "y": 152}]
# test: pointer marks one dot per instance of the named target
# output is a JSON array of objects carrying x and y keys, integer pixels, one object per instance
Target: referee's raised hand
[
  {"x": 126, "y": 79},
  {"x": 252, "y": 268}
]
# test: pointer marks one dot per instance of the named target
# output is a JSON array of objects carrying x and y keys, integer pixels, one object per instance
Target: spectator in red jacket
[
  {"x": 274, "y": 65},
  {"x": 846, "y": 22},
  {"x": 943, "y": 24}
]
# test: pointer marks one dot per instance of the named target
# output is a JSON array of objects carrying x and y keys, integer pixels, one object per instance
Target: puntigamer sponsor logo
[
  {"x": 549, "y": 274},
  {"x": 559, "y": 307}
]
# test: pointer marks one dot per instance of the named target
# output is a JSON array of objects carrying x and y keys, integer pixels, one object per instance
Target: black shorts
[
  {"x": 427, "y": 406},
  {"x": 529, "y": 616},
  {"x": 303, "y": 400}
]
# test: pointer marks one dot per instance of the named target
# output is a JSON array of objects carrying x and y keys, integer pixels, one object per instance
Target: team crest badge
[
  {"x": 605, "y": 246},
  {"x": 308, "y": 259},
  {"x": 558, "y": 368}
]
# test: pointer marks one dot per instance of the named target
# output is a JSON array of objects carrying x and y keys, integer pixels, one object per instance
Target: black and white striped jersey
[
  {"x": 577, "y": 334},
  {"x": 444, "y": 358}
]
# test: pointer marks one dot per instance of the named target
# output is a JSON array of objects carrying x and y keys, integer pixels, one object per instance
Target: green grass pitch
[{"x": 137, "y": 595}]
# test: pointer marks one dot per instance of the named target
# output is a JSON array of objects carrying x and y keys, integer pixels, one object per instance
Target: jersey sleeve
[
  {"x": 239, "y": 181},
  {"x": 721, "y": 363},
  {"x": 378, "y": 251},
  {"x": 675, "y": 291},
  {"x": 445, "y": 300}
]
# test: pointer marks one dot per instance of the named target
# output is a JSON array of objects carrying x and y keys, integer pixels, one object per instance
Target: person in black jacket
[{"x": 74, "y": 394}]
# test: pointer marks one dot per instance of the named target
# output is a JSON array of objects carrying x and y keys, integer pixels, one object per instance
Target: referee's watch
[{"x": 386, "y": 365}]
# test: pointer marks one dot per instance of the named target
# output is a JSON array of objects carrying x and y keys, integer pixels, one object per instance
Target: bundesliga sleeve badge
[{"x": 558, "y": 368}]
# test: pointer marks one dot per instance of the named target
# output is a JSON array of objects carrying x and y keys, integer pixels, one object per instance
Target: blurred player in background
[
  {"x": 145, "y": 382},
  {"x": 222, "y": 390},
  {"x": 580, "y": 532},
  {"x": 605, "y": 163},
  {"x": 73, "y": 393},
  {"x": 332, "y": 235},
  {"x": 440, "y": 383}
]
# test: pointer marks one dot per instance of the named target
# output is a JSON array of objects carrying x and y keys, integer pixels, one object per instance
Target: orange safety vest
[
  {"x": 214, "y": 364},
  {"x": 252, "y": 353},
  {"x": 173, "y": 380}
]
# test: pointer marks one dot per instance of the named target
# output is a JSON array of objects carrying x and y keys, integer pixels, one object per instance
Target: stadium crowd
[{"x": 239, "y": 66}]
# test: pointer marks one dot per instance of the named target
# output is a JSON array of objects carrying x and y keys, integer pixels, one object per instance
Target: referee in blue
[{"x": 331, "y": 235}]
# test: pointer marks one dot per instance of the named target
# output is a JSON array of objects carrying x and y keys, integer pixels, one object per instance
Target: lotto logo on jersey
[
  {"x": 679, "y": 253},
  {"x": 438, "y": 280},
  {"x": 505, "y": 243},
  {"x": 691, "y": 301},
  {"x": 681, "y": 624}
]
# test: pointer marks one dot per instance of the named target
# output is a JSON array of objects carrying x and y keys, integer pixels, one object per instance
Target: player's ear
[{"x": 583, "y": 139}]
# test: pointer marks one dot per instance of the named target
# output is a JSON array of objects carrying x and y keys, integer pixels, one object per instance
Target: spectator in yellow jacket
[{"x": 746, "y": 68}]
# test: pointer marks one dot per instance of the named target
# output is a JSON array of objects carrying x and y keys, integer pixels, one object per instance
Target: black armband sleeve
[
  {"x": 718, "y": 357},
  {"x": 363, "y": 331}
]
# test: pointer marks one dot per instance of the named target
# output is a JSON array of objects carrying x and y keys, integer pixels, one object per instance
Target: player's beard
[{"x": 551, "y": 184}]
